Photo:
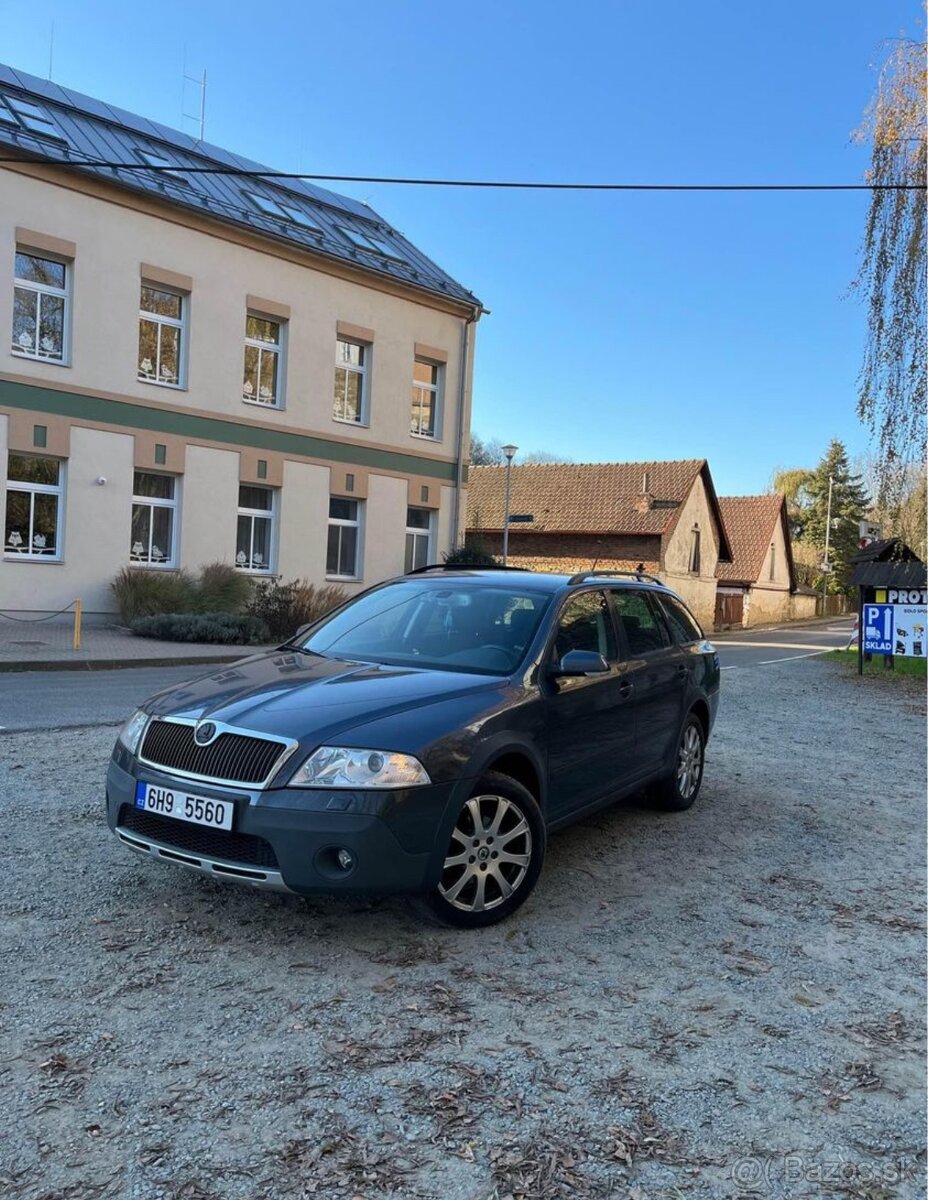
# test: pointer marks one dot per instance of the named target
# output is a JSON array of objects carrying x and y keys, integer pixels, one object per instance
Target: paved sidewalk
[{"x": 47, "y": 646}]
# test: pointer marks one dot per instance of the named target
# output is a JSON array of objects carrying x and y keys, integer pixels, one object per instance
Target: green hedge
[{"x": 222, "y": 628}]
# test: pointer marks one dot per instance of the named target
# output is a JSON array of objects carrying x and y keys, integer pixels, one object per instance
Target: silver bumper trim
[{"x": 215, "y": 868}]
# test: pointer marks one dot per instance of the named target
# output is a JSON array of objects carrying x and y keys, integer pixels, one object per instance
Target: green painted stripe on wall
[{"x": 213, "y": 429}]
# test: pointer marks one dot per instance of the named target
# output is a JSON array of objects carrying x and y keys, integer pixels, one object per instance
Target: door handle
[{"x": 625, "y": 689}]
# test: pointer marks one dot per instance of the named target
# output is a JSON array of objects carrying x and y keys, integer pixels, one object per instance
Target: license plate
[{"x": 184, "y": 806}]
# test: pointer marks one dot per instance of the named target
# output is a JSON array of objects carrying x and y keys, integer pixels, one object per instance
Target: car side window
[
  {"x": 684, "y": 628},
  {"x": 585, "y": 624},
  {"x": 643, "y": 625}
]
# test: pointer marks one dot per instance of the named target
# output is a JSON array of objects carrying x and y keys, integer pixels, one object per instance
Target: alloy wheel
[
  {"x": 489, "y": 855},
  {"x": 689, "y": 764}
]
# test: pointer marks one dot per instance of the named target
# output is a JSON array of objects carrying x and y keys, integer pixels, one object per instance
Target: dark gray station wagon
[{"x": 424, "y": 737}]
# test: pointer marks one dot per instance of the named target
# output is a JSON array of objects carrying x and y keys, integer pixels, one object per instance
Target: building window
[
  {"x": 426, "y": 394},
  {"x": 262, "y": 382},
  {"x": 254, "y": 549},
  {"x": 154, "y": 519},
  {"x": 162, "y": 314},
  {"x": 694, "y": 552},
  {"x": 40, "y": 307},
  {"x": 418, "y": 538},
  {"x": 344, "y": 539},
  {"x": 350, "y": 382},
  {"x": 773, "y": 561},
  {"x": 33, "y": 507}
]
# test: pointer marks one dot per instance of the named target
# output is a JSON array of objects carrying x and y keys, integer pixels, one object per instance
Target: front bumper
[{"x": 287, "y": 839}]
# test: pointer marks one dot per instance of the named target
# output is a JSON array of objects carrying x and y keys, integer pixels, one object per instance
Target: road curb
[{"x": 116, "y": 664}]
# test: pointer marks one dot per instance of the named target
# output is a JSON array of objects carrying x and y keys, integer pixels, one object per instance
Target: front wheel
[
  {"x": 679, "y": 790},
  {"x": 494, "y": 858}
]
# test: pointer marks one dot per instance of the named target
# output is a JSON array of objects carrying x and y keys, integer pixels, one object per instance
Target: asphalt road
[
  {"x": 71, "y": 699},
  {"x": 63, "y": 699},
  {"x": 766, "y": 647}
]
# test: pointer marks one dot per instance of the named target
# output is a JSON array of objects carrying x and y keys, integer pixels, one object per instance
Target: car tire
[
  {"x": 678, "y": 790},
  {"x": 500, "y": 821}
]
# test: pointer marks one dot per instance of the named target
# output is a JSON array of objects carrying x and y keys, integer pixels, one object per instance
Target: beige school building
[{"x": 208, "y": 368}]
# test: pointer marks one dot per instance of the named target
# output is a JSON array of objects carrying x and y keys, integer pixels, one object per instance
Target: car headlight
[
  {"x": 131, "y": 733},
  {"x": 343, "y": 767}
]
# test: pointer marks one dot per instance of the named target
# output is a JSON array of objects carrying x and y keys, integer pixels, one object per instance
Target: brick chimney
[{"x": 645, "y": 500}]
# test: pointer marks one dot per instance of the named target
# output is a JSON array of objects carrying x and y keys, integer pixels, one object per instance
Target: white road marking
[
  {"x": 792, "y": 657},
  {"x": 775, "y": 645}
]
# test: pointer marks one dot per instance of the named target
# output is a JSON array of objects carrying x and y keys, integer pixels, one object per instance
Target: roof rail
[
  {"x": 463, "y": 567},
  {"x": 582, "y": 576}
]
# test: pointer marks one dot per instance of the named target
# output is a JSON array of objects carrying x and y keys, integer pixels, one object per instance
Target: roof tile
[
  {"x": 582, "y": 497},
  {"x": 749, "y": 522}
]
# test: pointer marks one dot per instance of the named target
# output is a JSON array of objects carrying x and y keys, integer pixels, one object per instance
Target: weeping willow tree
[{"x": 891, "y": 277}]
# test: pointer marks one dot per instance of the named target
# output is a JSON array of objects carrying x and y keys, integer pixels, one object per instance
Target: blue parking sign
[{"x": 878, "y": 628}]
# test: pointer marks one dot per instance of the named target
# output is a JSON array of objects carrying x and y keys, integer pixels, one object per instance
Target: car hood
[{"x": 307, "y": 697}]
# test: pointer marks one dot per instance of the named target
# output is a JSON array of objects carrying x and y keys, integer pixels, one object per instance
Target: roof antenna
[
  {"x": 51, "y": 51},
  {"x": 201, "y": 84}
]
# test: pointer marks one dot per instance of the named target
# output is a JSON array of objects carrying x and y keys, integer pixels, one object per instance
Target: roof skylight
[
  {"x": 282, "y": 212},
  {"x": 372, "y": 245},
  {"x": 30, "y": 116},
  {"x": 165, "y": 166}
]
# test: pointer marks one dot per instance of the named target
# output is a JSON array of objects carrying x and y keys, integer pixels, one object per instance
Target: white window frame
[
  {"x": 11, "y": 554},
  {"x": 160, "y": 320},
  {"x": 157, "y": 502},
  {"x": 346, "y": 522},
  {"x": 437, "y": 389},
  {"x": 44, "y": 289},
  {"x": 416, "y": 532},
  {"x": 363, "y": 371},
  {"x": 277, "y": 348},
  {"x": 252, "y": 514}
]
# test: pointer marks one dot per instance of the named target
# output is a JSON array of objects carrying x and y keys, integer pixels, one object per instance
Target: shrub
[
  {"x": 141, "y": 593},
  {"x": 473, "y": 553},
  {"x": 220, "y": 588},
  {"x": 284, "y": 607},
  {"x": 219, "y": 627}
]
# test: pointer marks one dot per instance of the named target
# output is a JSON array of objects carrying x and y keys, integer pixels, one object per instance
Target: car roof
[{"x": 538, "y": 580}]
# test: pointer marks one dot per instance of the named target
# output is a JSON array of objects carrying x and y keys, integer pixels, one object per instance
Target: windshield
[{"x": 458, "y": 627}]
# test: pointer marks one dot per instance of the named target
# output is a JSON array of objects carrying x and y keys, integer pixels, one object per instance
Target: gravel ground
[{"x": 724, "y": 1002}]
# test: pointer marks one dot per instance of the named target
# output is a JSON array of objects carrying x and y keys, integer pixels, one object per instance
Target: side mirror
[{"x": 581, "y": 662}]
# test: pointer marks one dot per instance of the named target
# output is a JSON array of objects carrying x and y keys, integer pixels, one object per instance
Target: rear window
[
  {"x": 643, "y": 625},
  {"x": 684, "y": 628}
]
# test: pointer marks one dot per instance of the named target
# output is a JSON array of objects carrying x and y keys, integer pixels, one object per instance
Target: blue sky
[{"x": 639, "y": 326}]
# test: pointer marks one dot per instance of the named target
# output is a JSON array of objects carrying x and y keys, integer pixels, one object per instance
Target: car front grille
[
  {"x": 243, "y": 848},
  {"x": 232, "y": 757}
]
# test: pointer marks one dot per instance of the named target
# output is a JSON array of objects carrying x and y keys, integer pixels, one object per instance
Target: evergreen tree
[{"x": 849, "y": 504}]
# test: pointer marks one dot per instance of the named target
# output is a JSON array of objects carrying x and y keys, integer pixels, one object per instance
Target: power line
[{"x": 525, "y": 185}]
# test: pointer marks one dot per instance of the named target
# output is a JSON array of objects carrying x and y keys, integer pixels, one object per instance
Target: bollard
[{"x": 77, "y": 624}]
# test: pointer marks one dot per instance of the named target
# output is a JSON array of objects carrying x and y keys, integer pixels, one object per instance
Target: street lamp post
[
  {"x": 826, "y": 565},
  {"x": 509, "y": 451}
]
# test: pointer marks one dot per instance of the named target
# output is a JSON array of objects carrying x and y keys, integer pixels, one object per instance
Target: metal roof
[{"x": 43, "y": 120}]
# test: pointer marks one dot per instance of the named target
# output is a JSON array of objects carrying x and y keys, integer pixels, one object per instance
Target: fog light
[{"x": 345, "y": 859}]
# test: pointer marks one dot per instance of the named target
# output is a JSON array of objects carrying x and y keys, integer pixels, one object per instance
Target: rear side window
[
  {"x": 684, "y": 628},
  {"x": 585, "y": 624},
  {"x": 643, "y": 625}
]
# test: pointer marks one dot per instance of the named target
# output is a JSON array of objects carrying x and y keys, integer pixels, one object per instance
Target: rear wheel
[
  {"x": 495, "y": 855},
  {"x": 679, "y": 790}
]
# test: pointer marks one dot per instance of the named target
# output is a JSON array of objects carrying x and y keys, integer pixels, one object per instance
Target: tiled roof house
[
  {"x": 756, "y": 586},
  {"x": 580, "y": 516}
]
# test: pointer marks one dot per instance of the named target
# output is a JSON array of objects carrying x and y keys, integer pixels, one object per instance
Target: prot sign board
[{"x": 896, "y": 627}]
